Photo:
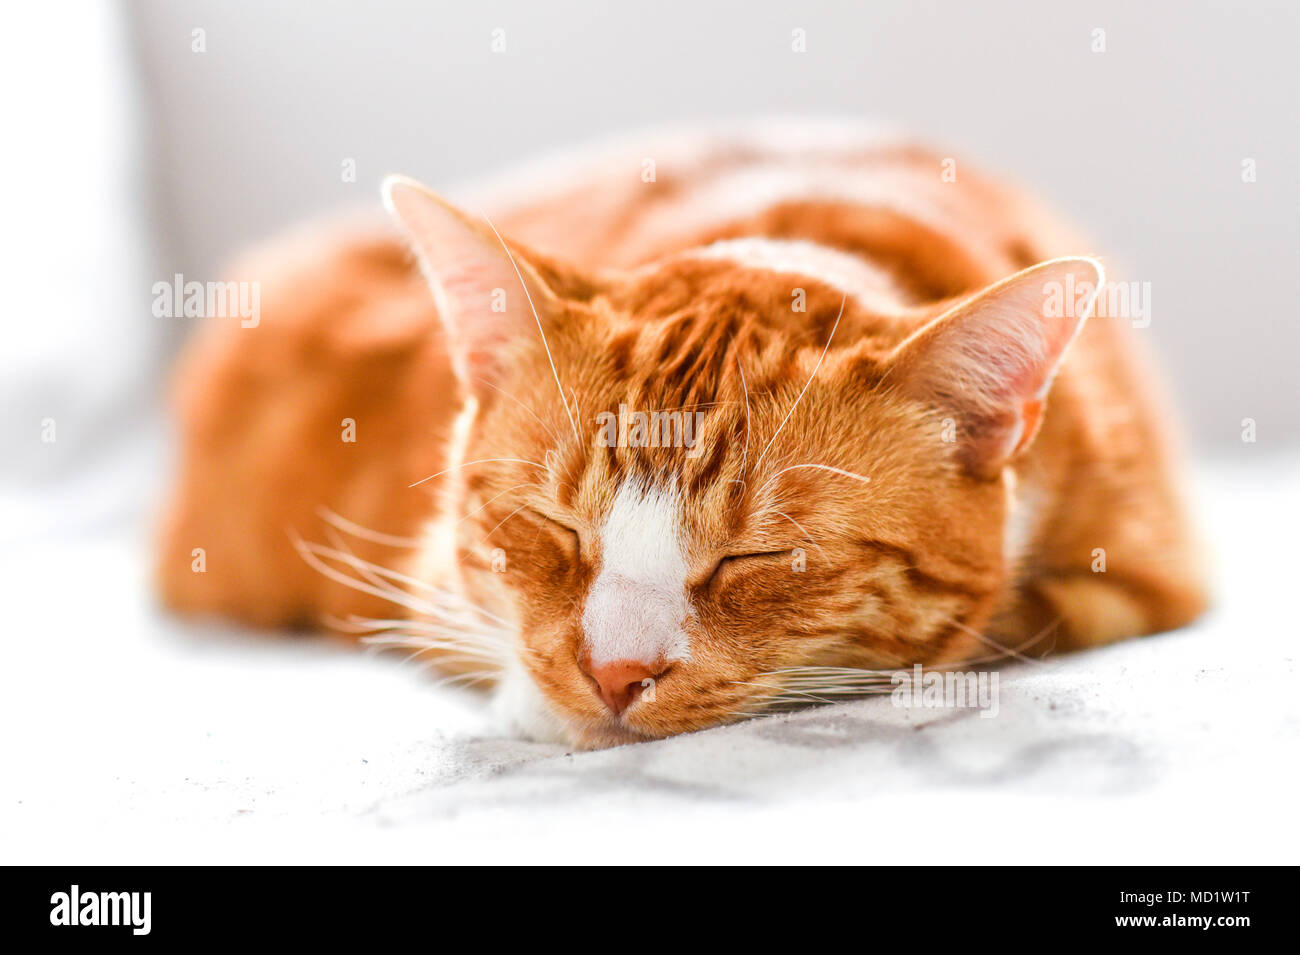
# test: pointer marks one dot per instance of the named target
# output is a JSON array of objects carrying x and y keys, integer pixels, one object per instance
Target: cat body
[{"x": 863, "y": 334}]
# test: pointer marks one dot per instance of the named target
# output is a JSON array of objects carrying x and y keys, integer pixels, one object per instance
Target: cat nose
[{"x": 620, "y": 683}]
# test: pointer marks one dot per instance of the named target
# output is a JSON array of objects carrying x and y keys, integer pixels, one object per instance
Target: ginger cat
[{"x": 658, "y": 441}]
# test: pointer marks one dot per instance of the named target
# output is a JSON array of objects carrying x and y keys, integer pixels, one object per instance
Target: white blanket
[{"x": 129, "y": 735}]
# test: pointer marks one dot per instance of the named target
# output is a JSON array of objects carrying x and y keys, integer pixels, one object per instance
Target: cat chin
[{"x": 520, "y": 709}]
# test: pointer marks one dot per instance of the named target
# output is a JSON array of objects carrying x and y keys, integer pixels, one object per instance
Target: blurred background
[{"x": 148, "y": 138}]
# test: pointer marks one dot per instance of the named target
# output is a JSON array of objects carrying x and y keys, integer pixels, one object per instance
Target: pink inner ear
[
  {"x": 468, "y": 286},
  {"x": 476, "y": 286},
  {"x": 1030, "y": 414},
  {"x": 1020, "y": 363},
  {"x": 991, "y": 359}
]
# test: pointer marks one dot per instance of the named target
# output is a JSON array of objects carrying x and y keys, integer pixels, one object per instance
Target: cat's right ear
[{"x": 489, "y": 297}]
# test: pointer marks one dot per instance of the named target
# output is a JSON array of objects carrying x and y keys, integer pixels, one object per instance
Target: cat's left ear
[
  {"x": 490, "y": 299},
  {"x": 990, "y": 360}
]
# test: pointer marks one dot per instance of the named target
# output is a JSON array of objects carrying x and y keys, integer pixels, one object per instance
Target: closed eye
[
  {"x": 559, "y": 527},
  {"x": 740, "y": 562}
]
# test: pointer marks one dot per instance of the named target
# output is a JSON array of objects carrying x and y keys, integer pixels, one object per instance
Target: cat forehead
[{"x": 703, "y": 317}]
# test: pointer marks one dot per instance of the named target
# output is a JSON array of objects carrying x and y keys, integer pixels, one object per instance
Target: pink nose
[{"x": 620, "y": 683}]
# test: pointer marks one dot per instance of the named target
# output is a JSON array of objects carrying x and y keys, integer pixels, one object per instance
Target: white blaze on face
[{"x": 638, "y": 601}]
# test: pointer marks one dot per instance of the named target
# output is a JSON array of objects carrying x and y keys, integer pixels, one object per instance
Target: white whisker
[
  {"x": 368, "y": 570},
  {"x": 316, "y": 554},
  {"x": 503, "y": 520},
  {"x": 465, "y": 464},
  {"x": 816, "y": 368},
  {"x": 553, "y": 433},
  {"x": 540, "y": 330},
  {"x": 364, "y": 533},
  {"x": 493, "y": 498},
  {"x": 1009, "y": 651},
  {"x": 810, "y": 538},
  {"x": 819, "y": 467},
  {"x": 409, "y": 630},
  {"x": 800, "y": 686},
  {"x": 308, "y": 553},
  {"x": 364, "y": 568},
  {"x": 744, "y": 387}
]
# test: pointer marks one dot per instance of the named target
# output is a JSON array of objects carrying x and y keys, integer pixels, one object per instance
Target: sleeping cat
[{"x": 671, "y": 435}]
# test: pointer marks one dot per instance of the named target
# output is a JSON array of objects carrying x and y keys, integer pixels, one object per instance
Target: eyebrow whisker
[
  {"x": 816, "y": 368},
  {"x": 541, "y": 331},
  {"x": 744, "y": 386},
  {"x": 810, "y": 538},
  {"x": 819, "y": 467}
]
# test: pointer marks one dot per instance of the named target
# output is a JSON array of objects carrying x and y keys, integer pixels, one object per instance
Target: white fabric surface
[{"x": 132, "y": 736}]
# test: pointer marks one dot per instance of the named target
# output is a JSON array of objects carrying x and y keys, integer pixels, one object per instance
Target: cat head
[{"x": 682, "y": 489}]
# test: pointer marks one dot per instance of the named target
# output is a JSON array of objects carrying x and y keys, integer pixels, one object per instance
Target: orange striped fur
[{"x": 880, "y": 477}]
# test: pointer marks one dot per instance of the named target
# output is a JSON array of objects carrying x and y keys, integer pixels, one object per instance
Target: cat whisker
[
  {"x": 316, "y": 556},
  {"x": 809, "y": 537},
  {"x": 398, "y": 623},
  {"x": 449, "y": 649},
  {"x": 493, "y": 498},
  {"x": 799, "y": 686},
  {"x": 695, "y": 405},
  {"x": 465, "y": 464},
  {"x": 444, "y": 657},
  {"x": 783, "y": 693},
  {"x": 495, "y": 644},
  {"x": 999, "y": 656},
  {"x": 816, "y": 368},
  {"x": 309, "y": 553},
  {"x": 452, "y": 603},
  {"x": 820, "y": 467},
  {"x": 576, "y": 406},
  {"x": 831, "y": 685},
  {"x": 468, "y": 679},
  {"x": 364, "y": 533},
  {"x": 744, "y": 387},
  {"x": 427, "y": 635},
  {"x": 502, "y": 521},
  {"x": 541, "y": 331},
  {"x": 372, "y": 573},
  {"x": 826, "y": 669},
  {"x": 379, "y": 632},
  {"x": 1014, "y": 653},
  {"x": 364, "y": 568},
  {"x": 549, "y": 428}
]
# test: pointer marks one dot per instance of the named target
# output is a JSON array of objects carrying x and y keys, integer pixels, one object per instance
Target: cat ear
[
  {"x": 487, "y": 296},
  {"x": 991, "y": 359}
]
